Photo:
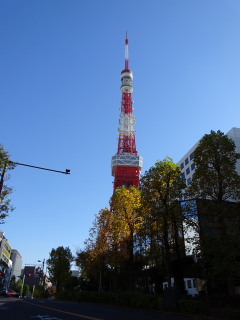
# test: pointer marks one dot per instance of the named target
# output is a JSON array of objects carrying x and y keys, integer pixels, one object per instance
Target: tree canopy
[
  {"x": 59, "y": 265},
  {"x": 161, "y": 188},
  {"x": 215, "y": 177},
  {"x": 216, "y": 185},
  {"x": 5, "y": 191}
]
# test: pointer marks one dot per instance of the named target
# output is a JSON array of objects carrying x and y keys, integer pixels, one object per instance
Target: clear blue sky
[{"x": 60, "y": 63}]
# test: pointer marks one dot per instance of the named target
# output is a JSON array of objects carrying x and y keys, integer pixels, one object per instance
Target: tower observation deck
[{"x": 126, "y": 164}]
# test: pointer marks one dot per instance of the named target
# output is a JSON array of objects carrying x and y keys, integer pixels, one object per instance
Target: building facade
[
  {"x": 5, "y": 252},
  {"x": 32, "y": 275},
  {"x": 5, "y": 261},
  {"x": 16, "y": 263}
]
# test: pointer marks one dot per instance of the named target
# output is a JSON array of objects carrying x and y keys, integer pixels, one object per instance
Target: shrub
[
  {"x": 39, "y": 292},
  {"x": 192, "y": 306},
  {"x": 124, "y": 299},
  {"x": 26, "y": 290},
  {"x": 233, "y": 314}
]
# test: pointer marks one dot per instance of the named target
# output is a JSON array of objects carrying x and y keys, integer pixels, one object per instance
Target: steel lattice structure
[{"x": 126, "y": 164}]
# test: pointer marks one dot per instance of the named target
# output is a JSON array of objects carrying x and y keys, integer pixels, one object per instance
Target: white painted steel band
[
  {"x": 126, "y": 89},
  {"x": 127, "y": 74},
  {"x": 127, "y": 160}
]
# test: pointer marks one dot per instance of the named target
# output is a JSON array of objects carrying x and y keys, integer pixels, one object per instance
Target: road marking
[
  {"x": 47, "y": 317},
  {"x": 65, "y": 312},
  {"x": 2, "y": 306}
]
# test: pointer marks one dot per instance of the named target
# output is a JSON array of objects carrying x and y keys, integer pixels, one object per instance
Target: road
[{"x": 22, "y": 309}]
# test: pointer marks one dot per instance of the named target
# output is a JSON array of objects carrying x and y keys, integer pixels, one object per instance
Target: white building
[
  {"x": 16, "y": 263},
  {"x": 5, "y": 252},
  {"x": 187, "y": 164},
  {"x": 190, "y": 285},
  {"x": 75, "y": 273}
]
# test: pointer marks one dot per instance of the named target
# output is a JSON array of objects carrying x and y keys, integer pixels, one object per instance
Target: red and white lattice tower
[{"x": 126, "y": 164}]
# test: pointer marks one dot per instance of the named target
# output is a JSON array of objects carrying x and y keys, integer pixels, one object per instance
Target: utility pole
[{"x": 42, "y": 276}]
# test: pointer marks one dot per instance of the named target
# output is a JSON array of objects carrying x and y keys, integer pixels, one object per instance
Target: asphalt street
[{"x": 22, "y": 309}]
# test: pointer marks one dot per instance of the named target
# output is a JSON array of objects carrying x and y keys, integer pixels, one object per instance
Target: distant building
[
  {"x": 5, "y": 261},
  {"x": 75, "y": 273},
  {"x": 187, "y": 164},
  {"x": 32, "y": 275},
  {"x": 16, "y": 264},
  {"x": 190, "y": 285}
]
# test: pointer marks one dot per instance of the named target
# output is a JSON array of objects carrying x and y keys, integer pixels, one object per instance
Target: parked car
[{"x": 12, "y": 293}]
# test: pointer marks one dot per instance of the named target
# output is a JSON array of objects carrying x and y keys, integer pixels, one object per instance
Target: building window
[
  {"x": 193, "y": 166},
  {"x": 182, "y": 165},
  {"x": 183, "y": 175},
  {"x": 192, "y": 156},
  {"x": 189, "y": 181},
  {"x": 186, "y": 161},
  {"x": 187, "y": 171},
  {"x": 189, "y": 284},
  {"x": 194, "y": 283}
]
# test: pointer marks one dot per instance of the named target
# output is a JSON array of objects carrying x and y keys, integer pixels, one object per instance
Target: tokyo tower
[{"x": 126, "y": 164}]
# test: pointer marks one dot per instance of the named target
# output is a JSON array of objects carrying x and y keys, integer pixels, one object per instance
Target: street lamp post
[
  {"x": 67, "y": 171},
  {"x": 42, "y": 278},
  {"x": 7, "y": 162}
]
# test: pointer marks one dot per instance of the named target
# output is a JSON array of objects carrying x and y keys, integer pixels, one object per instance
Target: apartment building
[{"x": 5, "y": 252}]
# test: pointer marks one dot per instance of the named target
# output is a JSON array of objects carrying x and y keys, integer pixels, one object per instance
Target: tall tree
[
  {"x": 162, "y": 187},
  {"x": 59, "y": 265},
  {"x": 217, "y": 181},
  {"x": 215, "y": 176},
  {"x": 126, "y": 204},
  {"x": 98, "y": 248},
  {"x": 127, "y": 218},
  {"x": 5, "y": 191},
  {"x": 109, "y": 250}
]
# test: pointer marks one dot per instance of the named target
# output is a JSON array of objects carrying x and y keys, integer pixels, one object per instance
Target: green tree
[
  {"x": 59, "y": 265},
  {"x": 217, "y": 181},
  {"x": 91, "y": 270},
  {"x": 162, "y": 187},
  {"x": 26, "y": 290},
  {"x": 215, "y": 175},
  {"x": 13, "y": 284},
  {"x": 19, "y": 285},
  {"x": 5, "y": 191}
]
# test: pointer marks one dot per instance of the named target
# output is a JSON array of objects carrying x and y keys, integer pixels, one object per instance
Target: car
[{"x": 12, "y": 293}]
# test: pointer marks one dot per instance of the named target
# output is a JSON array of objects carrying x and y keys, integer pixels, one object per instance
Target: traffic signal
[{"x": 2, "y": 274}]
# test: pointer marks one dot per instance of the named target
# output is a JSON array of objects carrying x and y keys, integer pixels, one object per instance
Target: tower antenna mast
[
  {"x": 126, "y": 164},
  {"x": 126, "y": 53}
]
